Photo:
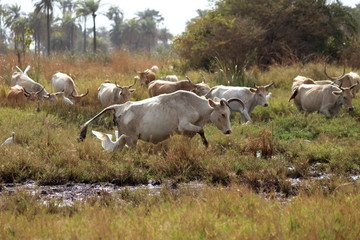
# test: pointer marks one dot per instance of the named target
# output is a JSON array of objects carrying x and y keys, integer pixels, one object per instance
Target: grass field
[{"x": 293, "y": 146}]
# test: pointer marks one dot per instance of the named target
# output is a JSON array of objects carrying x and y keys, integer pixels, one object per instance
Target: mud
[{"x": 68, "y": 194}]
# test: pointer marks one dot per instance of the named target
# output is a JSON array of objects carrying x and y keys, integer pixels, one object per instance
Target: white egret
[
  {"x": 107, "y": 143},
  {"x": 10, "y": 140}
]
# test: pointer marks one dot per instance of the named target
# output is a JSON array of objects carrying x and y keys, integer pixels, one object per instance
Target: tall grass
[
  {"x": 256, "y": 158},
  {"x": 220, "y": 213}
]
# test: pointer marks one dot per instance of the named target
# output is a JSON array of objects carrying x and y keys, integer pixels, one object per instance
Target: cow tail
[
  {"x": 293, "y": 95},
  {"x": 84, "y": 127}
]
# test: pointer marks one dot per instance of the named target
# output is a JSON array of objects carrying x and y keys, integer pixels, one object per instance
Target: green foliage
[{"x": 264, "y": 32}]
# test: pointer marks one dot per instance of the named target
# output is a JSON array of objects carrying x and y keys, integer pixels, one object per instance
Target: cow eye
[{"x": 223, "y": 115}]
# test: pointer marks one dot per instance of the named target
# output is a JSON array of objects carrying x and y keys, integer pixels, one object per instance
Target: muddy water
[{"x": 68, "y": 194}]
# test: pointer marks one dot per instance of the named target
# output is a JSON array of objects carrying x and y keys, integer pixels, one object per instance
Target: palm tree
[
  {"x": 47, "y": 7},
  {"x": 114, "y": 13},
  {"x": 92, "y": 6},
  {"x": 66, "y": 6},
  {"x": 149, "y": 20},
  {"x": 83, "y": 11},
  {"x": 36, "y": 23},
  {"x": 12, "y": 14}
]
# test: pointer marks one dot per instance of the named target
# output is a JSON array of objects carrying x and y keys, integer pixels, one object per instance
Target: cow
[
  {"x": 19, "y": 95},
  {"x": 158, "y": 87},
  {"x": 156, "y": 119},
  {"x": 111, "y": 93},
  {"x": 250, "y": 97},
  {"x": 346, "y": 80},
  {"x": 171, "y": 78},
  {"x": 298, "y": 80},
  {"x": 62, "y": 82},
  {"x": 22, "y": 79},
  {"x": 326, "y": 99},
  {"x": 146, "y": 77}
]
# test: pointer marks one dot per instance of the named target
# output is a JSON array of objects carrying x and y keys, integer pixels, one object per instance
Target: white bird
[
  {"x": 10, "y": 140},
  {"x": 67, "y": 100},
  {"x": 107, "y": 143}
]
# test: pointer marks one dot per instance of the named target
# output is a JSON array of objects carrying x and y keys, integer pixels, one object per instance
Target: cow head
[
  {"x": 33, "y": 96},
  {"x": 220, "y": 115},
  {"x": 262, "y": 95},
  {"x": 346, "y": 96},
  {"x": 123, "y": 93},
  {"x": 146, "y": 77}
]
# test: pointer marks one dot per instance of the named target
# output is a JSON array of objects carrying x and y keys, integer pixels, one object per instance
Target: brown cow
[
  {"x": 18, "y": 95},
  {"x": 158, "y": 87},
  {"x": 146, "y": 77}
]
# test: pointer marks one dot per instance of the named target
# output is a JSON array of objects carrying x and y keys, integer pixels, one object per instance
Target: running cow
[{"x": 156, "y": 119}]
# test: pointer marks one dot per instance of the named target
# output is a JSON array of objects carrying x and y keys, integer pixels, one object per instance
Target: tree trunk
[
  {"x": 94, "y": 30},
  {"x": 48, "y": 30},
  {"x": 84, "y": 33}
]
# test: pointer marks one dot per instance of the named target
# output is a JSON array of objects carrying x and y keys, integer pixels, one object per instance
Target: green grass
[{"x": 47, "y": 151}]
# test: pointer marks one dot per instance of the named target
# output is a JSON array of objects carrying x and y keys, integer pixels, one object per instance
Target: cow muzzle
[
  {"x": 265, "y": 105},
  {"x": 350, "y": 109},
  {"x": 228, "y": 132}
]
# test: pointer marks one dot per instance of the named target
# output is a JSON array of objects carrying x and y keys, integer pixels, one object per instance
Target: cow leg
[
  {"x": 186, "y": 126},
  {"x": 131, "y": 142},
  {"x": 203, "y": 138},
  {"x": 245, "y": 116}
]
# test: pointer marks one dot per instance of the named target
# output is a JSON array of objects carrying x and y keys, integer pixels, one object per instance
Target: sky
[{"x": 176, "y": 13}]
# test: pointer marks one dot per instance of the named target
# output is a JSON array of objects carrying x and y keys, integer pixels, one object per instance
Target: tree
[
  {"x": 91, "y": 7},
  {"x": 263, "y": 32},
  {"x": 114, "y": 13},
  {"x": 83, "y": 11},
  {"x": 149, "y": 21},
  {"x": 47, "y": 7}
]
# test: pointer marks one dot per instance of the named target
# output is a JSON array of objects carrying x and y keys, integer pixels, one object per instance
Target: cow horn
[
  {"x": 118, "y": 86},
  {"x": 26, "y": 92},
  {"x": 40, "y": 90},
  {"x": 131, "y": 85},
  {"x": 188, "y": 79},
  {"x": 269, "y": 85},
  {"x": 332, "y": 78},
  {"x": 354, "y": 85},
  {"x": 84, "y": 94},
  {"x": 235, "y": 100},
  {"x": 203, "y": 77}
]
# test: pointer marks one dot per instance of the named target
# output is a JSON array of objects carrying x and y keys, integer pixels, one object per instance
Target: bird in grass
[
  {"x": 107, "y": 143},
  {"x": 10, "y": 140}
]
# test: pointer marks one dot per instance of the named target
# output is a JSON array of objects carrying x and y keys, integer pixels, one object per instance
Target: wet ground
[{"x": 67, "y": 194}]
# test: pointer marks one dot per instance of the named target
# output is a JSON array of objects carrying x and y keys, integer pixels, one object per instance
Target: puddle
[{"x": 67, "y": 194}]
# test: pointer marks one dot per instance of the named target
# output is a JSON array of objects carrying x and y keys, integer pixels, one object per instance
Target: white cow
[
  {"x": 156, "y": 119},
  {"x": 326, "y": 99},
  {"x": 110, "y": 93},
  {"x": 62, "y": 82},
  {"x": 250, "y": 97},
  {"x": 22, "y": 79},
  {"x": 171, "y": 78}
]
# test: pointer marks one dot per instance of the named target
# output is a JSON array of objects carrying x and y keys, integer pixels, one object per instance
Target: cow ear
[
  {"x": 211, "y": 103},
  {"x": 253, "y": 89},
  {"x": 216, "y": 99},
  {"x": 337, "y": 92},
  {"x": 132, "y": 90}
]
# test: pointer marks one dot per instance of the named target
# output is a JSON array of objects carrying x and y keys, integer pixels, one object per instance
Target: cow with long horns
[
  {"x": 112, "y": 93},
  {"x": 250, "y": 98},
  {"x": 62, "y": 82}
]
